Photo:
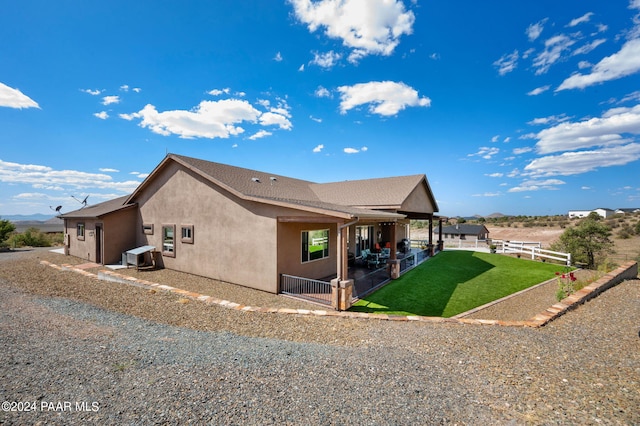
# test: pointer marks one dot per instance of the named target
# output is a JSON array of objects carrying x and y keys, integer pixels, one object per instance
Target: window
[
  {"x": 364, "y": 238},
  {"x": 187, "y": 234},
  {"x": 168, "y": 240},
  {"x": 80, "y": 231},
  {"x": 147, "y": 228},
  {"x": 315, "y": 245}
]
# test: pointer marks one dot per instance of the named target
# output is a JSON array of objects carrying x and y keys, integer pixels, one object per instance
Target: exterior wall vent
[{"x": 255, "y": 180}]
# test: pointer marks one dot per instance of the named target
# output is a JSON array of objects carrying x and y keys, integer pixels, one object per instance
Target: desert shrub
[
  {"x": 636, "y": 228},
  {"x": 32, "y": 237},
  {"x": 588, "y": 242},
  {"x": 625, "y": 232},
  {"x": 6, "y": 228}
]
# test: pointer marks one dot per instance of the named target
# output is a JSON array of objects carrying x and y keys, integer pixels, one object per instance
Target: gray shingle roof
[
  {"x": 380, "y": 192},
  {"x": 100, "y": 209},
  {"x": 350, "y": 198},
  {"x": 464, "y": 229}
]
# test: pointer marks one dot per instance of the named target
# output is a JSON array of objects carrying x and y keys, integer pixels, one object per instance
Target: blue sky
[{"x": 515, "y": 107}]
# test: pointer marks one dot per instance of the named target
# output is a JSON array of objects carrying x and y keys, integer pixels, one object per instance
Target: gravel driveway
[{"x": 80, "y": 351}]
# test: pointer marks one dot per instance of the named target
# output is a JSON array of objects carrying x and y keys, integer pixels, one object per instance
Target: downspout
[{"x": 340, "y": 248}]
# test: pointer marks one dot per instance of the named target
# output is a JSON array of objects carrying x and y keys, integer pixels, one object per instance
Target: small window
[
  {"x": 147, "y": 228},
  {"x": 80, "y": 231},
  {"x": 187, "y": 234},
  {"x": 168, "y": 240},
  {"x": 315, "y": 245}
]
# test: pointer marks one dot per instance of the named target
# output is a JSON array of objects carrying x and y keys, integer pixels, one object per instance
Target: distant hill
[
  {"x": 39, "y": 217},
  {"x": 495, "y": 215}
]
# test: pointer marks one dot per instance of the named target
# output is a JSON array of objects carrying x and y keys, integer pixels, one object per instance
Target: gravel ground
[{"x": 130, "y": 356}]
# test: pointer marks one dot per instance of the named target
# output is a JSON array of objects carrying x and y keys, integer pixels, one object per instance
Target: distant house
[
  {"x": 605, "y": 213},
  {"x": 463, "y": 231},
  {"x": 248, "y": 227},
  {"x": 630, "y": 210}
]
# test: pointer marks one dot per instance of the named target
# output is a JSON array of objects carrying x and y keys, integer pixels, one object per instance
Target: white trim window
[
  {"x": 315, "y": 245},
  {"x": 169, "y": 240},
  {"x": 80, "y": 231}
]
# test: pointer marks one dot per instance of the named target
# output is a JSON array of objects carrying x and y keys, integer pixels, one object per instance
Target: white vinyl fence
[{"x": 532, "y": 249}]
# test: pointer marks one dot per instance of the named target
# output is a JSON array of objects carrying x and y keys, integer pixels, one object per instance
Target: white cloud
[
  {"x": 46, "y": 177},
  {"x": 549, "y": 120},
  {"x": 260, "y": 134},
  {"x": 368, "y": 27},
  {"x": 384, "y": 97},
  {"x": 137, "y": 89},
  {"x": 301, "y": 68},
  {"x": 210, "y": 119},
  {"x": 108, "y": 100},
  {"x": 496, "y": 138},
  {"x": 553, "y": 50},
  {"x": 218, "y": 92},
  {"x": 101, "y": 115},
  {"x": 355, "y": 150},
  {"x": 278, "y": 57},
  {"x": 213, "y": 119},
  {"x": 537, "y": 185},
  {"x": 523, "y": 150},
  {"x": 495, "y": 175},
  {"x": 95, "y": 92},
  {"x": 539, "y": 90},
  {"x": 275, "y": 119},
  {"x": 507, "y": 62},
  {"x": 124, "y": 87},
  {"x": 14, "y": 98},
  {"x": 621, "y": 64},
  {"x": 589, "y": 47},
  {"x": 584, "y": 18},
  {"x": 318, "y": 148},
  {"x": 108, "y": 170},
  {"x": 316, "y": 119},
  {"x": 485, "y": 152},
  {"x": 534, "y": 30},
  {"x": 573, "y": 163},
  {"x": 600, "y": 131},
  {"x": 325, "y": 60},
  {"x": 322, "y": 92},
  {"x": 488, "y": 194}
]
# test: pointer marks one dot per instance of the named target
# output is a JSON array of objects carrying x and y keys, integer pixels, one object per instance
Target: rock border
[{"x": 627, "y": 271}]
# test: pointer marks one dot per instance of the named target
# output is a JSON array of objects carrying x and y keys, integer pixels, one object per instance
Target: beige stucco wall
[
  {"x": 119, "y": 230},
  {"x": 290, "y": 251},
  {"x": 234, "y": 240},
  {"x": 418, "y": 201},
  {"x": 85, "y": 248},
  {"x": 118, "y": 235}
]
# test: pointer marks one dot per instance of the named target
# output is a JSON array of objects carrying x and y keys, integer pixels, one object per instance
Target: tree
[
  {"x": 588, "y": 242},
  {"x": 6, "y": 228}
]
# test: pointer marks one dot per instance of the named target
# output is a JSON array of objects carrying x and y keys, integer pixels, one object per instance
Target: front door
[{"x": 99, "y": 243}]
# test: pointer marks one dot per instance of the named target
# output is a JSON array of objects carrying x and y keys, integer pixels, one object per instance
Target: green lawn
[{"x": 454, "y": 282}]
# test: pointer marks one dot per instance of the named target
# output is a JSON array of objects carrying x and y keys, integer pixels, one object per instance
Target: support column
[
  {"x": 440, "y": 242},
  {"x": 341, "y": 294},
  {"x": 430, "y": 247},
  {"x": 393, "y": 262}
]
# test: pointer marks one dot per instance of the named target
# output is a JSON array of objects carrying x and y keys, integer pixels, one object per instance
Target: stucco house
[
  {"x": 249, "y": 227},
  {"x": 464, "y": 231}
]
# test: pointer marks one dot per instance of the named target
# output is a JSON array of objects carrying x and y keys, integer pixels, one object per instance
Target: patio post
[
  {"x": 394, "y": 263},
  {"x": 440, "y": 242},
  {"x": 342, "y": 286},
  {"x": 430, "y": 247}
]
